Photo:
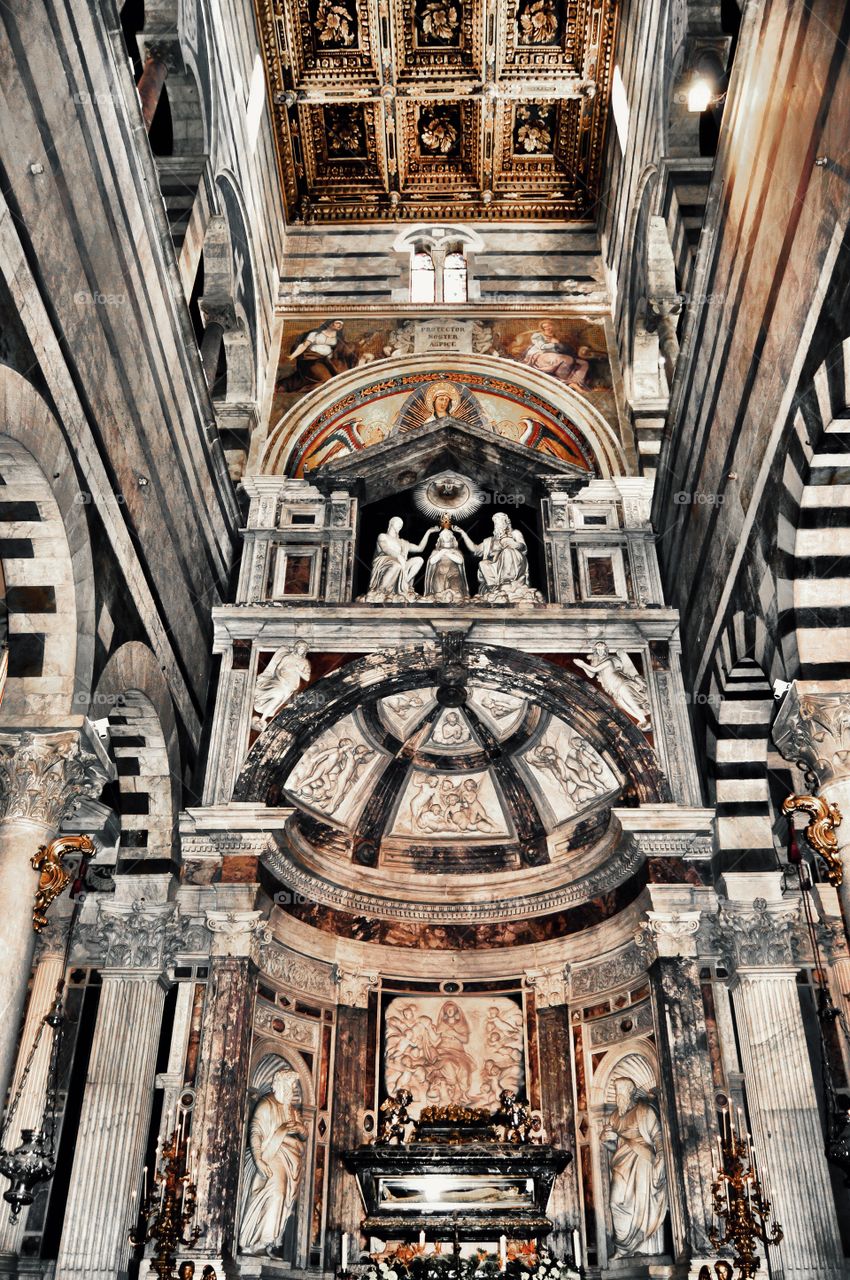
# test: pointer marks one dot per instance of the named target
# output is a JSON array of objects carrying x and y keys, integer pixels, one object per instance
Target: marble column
[
  {"x": 556, "y": 1088},
  {"x": 668, "y": 939},
  {"x": 48, "y": 971},
  {"x": 352, "y": 1095},
  {"x": 812, "y": 729},
  {"x": 133, "y": 942},
  {"x": 218, "y": 1120},
  {"x": 756, "y": 936},
  {"x": 42, "y": 777}
]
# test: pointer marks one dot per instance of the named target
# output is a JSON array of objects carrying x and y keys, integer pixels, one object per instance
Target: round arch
[
  {"x": 131, "y": 693},
  {"x": 288, "y": 437},
  {"x": 47, "y": 561}
]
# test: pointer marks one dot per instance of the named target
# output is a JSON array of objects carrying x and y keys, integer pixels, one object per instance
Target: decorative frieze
[
  {"x": 297, "y": 1031},
  {"x": 606, "y": 975},
  {"x": 298, "y": 972}
]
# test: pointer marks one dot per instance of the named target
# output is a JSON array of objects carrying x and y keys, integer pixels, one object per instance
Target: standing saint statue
[
  {"x": 637, "y": 1193},
  {"x": 503, "y": 571},
  {"x": 445, "y": 572},
  {"x": 280, "y": 680},
  {"x": 619, "y": 678},
  {"x": 276, "y": 1138},
  {"x": 394, "y": 566}
]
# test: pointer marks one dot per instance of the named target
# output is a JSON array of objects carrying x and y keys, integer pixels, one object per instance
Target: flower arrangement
[{"x": 523, "y": 1262}]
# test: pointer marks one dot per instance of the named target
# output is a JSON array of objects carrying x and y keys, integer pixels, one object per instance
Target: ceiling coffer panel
[{"x": 438, "y": 108}]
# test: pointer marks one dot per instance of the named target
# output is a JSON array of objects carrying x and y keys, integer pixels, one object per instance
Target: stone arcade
[{"x": 425, "y": 735}]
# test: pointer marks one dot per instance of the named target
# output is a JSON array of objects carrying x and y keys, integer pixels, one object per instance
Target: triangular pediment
[{"x": 408, "y": 457}]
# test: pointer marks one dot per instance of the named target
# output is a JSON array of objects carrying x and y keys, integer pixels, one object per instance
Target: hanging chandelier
[{"x": 34, "y": 1159}]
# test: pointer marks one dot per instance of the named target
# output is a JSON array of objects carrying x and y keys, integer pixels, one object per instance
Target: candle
[
  {"x": 503, "y": 1252},
  {"x": 421, "y": 1239},
  {"x": 345, "y": 1250},
  {"x": 576, "y": 1247},
  {"x": 145, "y": 1184}
]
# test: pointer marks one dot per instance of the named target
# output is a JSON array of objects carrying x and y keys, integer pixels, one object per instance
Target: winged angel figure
[{"x": 620, "y": 679}]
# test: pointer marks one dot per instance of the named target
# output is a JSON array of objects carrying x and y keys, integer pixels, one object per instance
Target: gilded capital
[
  {"x": 813, "y": 729},
  {"x": 44, "y": 776}
]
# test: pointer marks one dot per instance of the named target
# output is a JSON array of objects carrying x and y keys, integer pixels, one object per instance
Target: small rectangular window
[
  {"x": 297, "y": 575},
  {"x": 600, "y": 576}
]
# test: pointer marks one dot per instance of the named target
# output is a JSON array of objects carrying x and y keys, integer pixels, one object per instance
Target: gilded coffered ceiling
[{"x": 426, "y": 109}]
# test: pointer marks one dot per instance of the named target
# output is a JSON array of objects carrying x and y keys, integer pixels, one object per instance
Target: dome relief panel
[{"x": 411, "y": 789}]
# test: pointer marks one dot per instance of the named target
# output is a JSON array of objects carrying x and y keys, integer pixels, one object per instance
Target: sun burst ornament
[{"x": 449, "y": 495}]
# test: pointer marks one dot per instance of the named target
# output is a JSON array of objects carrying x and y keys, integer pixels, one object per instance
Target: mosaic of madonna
[{"x": 571, "y": 350}]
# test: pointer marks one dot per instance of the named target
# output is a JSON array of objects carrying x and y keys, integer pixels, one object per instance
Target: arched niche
[{"x": 373, "y": 395}]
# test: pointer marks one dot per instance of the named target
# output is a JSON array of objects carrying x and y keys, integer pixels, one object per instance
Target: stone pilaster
[
  {"x": 757, "y": 938},
  {"x": 351, "y": 1087},
  {"x": 48, "y": 972},
  {"x": 218, "y": 1120},
  {"x": 556, "y": 1088},
  {"x": 43, "y": 775},
  {"x": 812, "y": 729},
  {"x": 136, "y": 940},
  {"x": 668, "y": 940}
]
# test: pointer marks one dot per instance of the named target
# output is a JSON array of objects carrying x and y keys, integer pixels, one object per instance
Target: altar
[{"x": 457, "y": 1175}]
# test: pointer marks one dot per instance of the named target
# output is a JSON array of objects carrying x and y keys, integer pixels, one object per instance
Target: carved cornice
[
  {"x": 43, "y": 776},
  {"x": 813, "y": 729},
  {"x": 312, "y": 888}
]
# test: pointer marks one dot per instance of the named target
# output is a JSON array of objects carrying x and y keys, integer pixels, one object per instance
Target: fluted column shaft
[
  {"x": 48, "y": 972},
  {"x": 787, "y": 1128},
  {"x": 113, "y": 1125},
  {"x": 43, "y": 775}
]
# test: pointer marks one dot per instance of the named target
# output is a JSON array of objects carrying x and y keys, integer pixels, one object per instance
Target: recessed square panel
[
  {"x": 534, "y": 129},
  {"x": 439, "y": 131}
]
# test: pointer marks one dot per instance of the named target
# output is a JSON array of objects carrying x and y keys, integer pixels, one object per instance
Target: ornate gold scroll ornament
[
  {"x": 820, "y": 830},
  {"x": 53, "y": 876}
]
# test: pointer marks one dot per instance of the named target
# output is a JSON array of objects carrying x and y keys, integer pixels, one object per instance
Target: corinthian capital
[
  {"x": 813, "y": 728},
  {"x": 44, "y": 776},
  {"x": 764, "y": 936},
  {"x": 134, "y": 935}
]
